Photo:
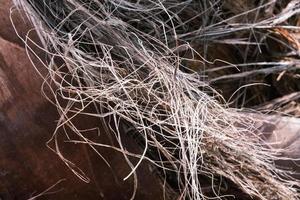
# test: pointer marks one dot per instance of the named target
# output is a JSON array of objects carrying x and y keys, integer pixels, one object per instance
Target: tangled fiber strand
[{"x": 125, "y": 57}]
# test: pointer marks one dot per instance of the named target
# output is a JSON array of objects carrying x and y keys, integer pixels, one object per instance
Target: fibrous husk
[{"x": 130, "y": 59}]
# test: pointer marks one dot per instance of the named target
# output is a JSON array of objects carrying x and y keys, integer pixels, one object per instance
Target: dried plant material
[{"x": 126, "y": 57}]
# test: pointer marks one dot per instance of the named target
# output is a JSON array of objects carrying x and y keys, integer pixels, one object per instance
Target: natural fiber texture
[{"x": 129, "y": 59}]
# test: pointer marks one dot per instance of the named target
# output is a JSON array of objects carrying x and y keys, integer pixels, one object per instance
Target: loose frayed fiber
[{"x": 129, "y": 58}]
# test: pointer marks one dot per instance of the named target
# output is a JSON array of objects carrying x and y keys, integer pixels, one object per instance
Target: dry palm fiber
[
  {"x": 266, "y": 60},
  {"x": 128, "y": 58}
]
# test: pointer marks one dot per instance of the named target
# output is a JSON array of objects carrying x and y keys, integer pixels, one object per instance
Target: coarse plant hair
[{"x": 125, "y": 56}]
